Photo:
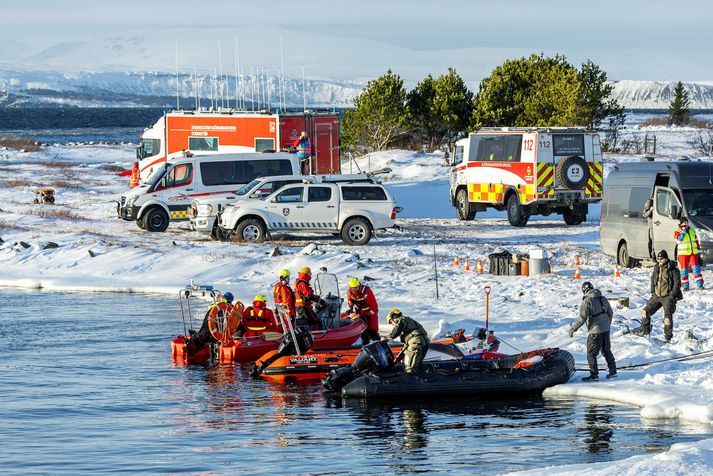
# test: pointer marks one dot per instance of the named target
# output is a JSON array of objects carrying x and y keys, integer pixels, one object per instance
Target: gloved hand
[{"x": 570, "y": 332}]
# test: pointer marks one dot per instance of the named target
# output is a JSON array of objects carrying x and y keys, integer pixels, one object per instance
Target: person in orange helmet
[
  {"x": 362, "y": 303},
  {"x": 257, "y": 319},
  {"x": 305, "y": 299}
]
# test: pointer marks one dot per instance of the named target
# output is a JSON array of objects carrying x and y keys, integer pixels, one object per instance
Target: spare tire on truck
[{"x": 572, "y": 173}]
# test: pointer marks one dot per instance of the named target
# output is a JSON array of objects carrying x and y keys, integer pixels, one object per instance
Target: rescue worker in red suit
[
  {"x": 305, "y": 299},
  {"x": 284, "y": 298},
  {"x": 362, "y": 303},
  {"x": 689, "y": 251},
  {"x": 258, "y": 319}
]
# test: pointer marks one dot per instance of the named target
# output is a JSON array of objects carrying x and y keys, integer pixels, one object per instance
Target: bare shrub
[
  {"x": 65, "y": 184},
  {"x": 703, "y": 143},
  {"x": 655, "y": 121},
  {"x": 61, "y": 213},
  {"x": 18, "y": 143},
  {"x": 699, "y": 123},
  {"x": 16, "y": 182},
  {"x": 112, "y": 168},
  {"x": 54, "y": 165},
  {"x": 632, "y": 145}
]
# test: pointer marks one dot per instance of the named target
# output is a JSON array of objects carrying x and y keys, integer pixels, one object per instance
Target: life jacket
[
  {"x": 687, "y": 242},
  {"x": 304, "y": 148},
  {"x": 284, "y": 297},
  {"x": 362, "y": 299},
  {"x": 257, "y": 317},
  {"x": 303, "y": 292}
]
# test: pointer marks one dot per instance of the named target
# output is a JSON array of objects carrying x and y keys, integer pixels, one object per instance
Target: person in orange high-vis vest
[
  {"x": 305, "y": 299},
  {"x": 258, "y": 319},
  {"x": 284, "y": 298},
  {"x": 362, "y": 302}
]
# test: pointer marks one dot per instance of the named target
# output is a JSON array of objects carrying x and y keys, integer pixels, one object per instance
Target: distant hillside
[{"x": 158, "y": 89}]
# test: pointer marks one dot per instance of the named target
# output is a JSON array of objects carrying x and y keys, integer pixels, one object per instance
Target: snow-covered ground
[{"x": 97, "y": 252}]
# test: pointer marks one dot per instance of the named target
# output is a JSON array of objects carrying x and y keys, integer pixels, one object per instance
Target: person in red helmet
[
  {"x": 362, "y": 303},
  {"x": 257, "y": 319},
  {"x": 305, "y": 299}
]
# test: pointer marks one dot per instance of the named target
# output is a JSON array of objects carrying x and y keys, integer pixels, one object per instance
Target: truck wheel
[
  {"x": 221, "y": 234},
  {"x": 463, "y": 206},
  {"x": 356, "y": 231},
  {"x": 573, "y": 218},
  {"x": 517, "y": 215},
  {"x": 622, "y": 257},
  {"x": 252, "y": 230},
  {"x": 155, "y": 220},
  {"x": 572, "y": 173}
]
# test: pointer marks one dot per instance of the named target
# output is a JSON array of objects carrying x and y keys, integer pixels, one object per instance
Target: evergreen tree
[
  {"x": 453, "y": 103},
  {"x": 595, "y": 104},
  {"x": 379, "y": 117},
  {"x": 679, "y": 109},
  {"x": 424, "y": 118},
  {"x": 544, "y": 91}
]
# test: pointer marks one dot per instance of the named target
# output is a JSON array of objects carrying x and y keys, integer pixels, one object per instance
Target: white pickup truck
[{"x": 351, "y": 209}]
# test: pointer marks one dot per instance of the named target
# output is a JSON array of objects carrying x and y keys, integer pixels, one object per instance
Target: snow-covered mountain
[
  {"x": 658, "y": 94},
  {"x": 46, "y": 88}
]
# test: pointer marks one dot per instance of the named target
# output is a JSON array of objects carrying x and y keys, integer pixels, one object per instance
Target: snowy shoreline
[{"x": 527, "y": 312}]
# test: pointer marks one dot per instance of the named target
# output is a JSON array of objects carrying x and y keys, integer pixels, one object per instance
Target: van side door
[
  {"x": 175, "y": 188},
  {"x": 322, "y": 210},
  {"x": 667, "y": 211}
]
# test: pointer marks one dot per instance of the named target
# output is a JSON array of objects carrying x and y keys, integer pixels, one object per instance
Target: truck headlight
[
  {"x": 203, "y": 210},
  {"x": 130, "y": 200}
]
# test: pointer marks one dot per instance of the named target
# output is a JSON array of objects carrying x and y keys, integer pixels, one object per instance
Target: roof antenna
[
  {"x": 237, "y": 67},
  {"x": 282, "y": 78},
  {"x": 304, "y": 97},
  {"x": 220, "y": 80},
  {"x": 178, "y": 105}
]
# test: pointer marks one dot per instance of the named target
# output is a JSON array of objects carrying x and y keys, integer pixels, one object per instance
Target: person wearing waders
[
  {"x": 597, "y": 313},
  {"x": 414, "y": 337},
  {"x": 665, "y": 291}
]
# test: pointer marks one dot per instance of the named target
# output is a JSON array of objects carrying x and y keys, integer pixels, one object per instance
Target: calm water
[{"x": 87, "y": 384}]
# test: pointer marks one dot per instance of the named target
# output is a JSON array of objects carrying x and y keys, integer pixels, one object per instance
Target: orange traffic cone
[
  {"x": 577, "y": 274},
  {"x": 576, "y": 260},
  {"x": 467, "y": 266},
  {"x": 456, "y": 262},
  {"x": 479, "y": 267},
  {"x": 134, "y": 179},
  {"x": 617, "y": 274}
]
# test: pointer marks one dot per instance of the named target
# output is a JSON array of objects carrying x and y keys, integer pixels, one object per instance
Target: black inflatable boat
[{"x": 373, "y": 375}]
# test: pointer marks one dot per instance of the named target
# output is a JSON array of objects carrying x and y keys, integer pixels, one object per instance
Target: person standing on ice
[
  {"x": 689, "y": 249},
  {"x": 304, "y": 152},
  {"x": 597, "y": 313},
  {"x": 665, "y": 291},
  {"x": 362, "y": 303},
  {"x": 414, "y": 337}
]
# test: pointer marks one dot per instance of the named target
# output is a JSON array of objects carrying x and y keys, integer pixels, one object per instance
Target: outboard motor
[
  {"x": 304, "y": 340},
  {"x": 374, "y": 357}
]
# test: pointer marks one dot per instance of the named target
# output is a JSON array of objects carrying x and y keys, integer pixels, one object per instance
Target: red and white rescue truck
[
  {"x": 239, "y": 132},
  {"x": 527, "y": 171}
]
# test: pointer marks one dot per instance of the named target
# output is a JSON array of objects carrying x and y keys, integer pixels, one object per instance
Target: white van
[{"x": 167, "y": 194}]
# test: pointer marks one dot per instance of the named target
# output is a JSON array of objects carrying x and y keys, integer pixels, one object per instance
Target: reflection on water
[{"x": 88, "y": 386}]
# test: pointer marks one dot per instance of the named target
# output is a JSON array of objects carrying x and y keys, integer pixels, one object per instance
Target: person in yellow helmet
[
  {"x": 362, "y": 304},
  {"x": 414, "y": 337},
  {"x": 305, "y": 299},
  {"x": 258, "y": 319},
  {"x": 284, "y": 296}
]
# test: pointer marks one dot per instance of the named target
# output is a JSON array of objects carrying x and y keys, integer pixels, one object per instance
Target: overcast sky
[{"x": 630, "y": 39}]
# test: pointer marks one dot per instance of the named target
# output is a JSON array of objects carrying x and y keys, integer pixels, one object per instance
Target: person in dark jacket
[
  {"x": 665, "y": 291},
  {"x": 597, "y": 313},
  {"x": 414, "y": 337}
]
